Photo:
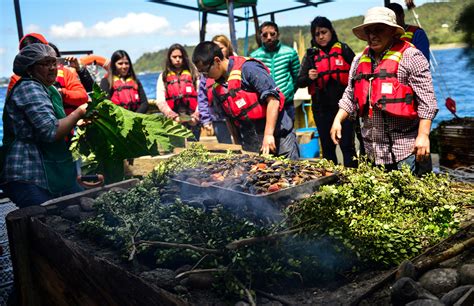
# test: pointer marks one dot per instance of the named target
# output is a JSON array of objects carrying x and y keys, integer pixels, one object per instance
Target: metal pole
[
  {"x": 272, "y": 17},
  {"x": 19, "y": 24},
  {"x": 257, "y": 26},
  {"x": 202, "y": 31},
  {"x": 230, "y": 10}
]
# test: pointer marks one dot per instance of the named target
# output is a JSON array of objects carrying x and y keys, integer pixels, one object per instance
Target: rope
[{"x": 461, "y": 174}]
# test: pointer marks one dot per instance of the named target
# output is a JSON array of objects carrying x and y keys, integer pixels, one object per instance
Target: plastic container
[{"x": 310, "y": 149}]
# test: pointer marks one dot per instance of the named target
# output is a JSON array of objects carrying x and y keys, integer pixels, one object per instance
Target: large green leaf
[{"x": 115, "y": 133}]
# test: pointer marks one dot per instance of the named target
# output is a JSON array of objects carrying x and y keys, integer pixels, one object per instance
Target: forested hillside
[{"x": 438, "y": 19}]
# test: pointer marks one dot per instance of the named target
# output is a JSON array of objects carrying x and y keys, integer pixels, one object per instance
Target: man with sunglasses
[
  {"x": 282, "y": 61},
  {"x": 248, "y": 96},
  {"x": 391, "y": 89}
]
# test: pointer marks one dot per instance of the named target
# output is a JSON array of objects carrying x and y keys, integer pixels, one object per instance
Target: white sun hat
[{"x": 377, "y": 15}]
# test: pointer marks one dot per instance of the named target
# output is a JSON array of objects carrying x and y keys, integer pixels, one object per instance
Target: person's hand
[
  {"x": 209, "y": 129},
  {"x": 268, "y": 144},
  {"x": 336, "y": 131},
  {"x": 81, "y": 111},
  {"x": 422, "y": 147},
  {"x": 193, "y": 122},
  {"x": 73, "y": 62},
  {"x": 313, "y": 74},
  {"x": 410, "y": 4}
]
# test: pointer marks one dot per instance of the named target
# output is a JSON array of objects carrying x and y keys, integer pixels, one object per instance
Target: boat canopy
[{"x": 222, "y": 4}]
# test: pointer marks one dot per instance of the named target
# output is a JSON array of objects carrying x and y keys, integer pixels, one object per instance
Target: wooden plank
[
  {"x": 214, "y": 147},
  {"x": 73, "y": 199},
  {"x": 143, "y": 166},
  {"x": 66, "y": 274},
  {"x": 20, "y": 244}
]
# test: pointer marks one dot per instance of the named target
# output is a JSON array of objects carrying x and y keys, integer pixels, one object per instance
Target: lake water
[{"x": 452, "y": 77}]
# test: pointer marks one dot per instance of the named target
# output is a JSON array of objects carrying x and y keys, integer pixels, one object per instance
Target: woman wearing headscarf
[
  {"x": 325, "y": 70},
  {"x": 36, "y": 163}
]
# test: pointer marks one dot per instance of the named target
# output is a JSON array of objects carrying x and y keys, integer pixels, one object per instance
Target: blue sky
[{"x": 139, "y": 26}]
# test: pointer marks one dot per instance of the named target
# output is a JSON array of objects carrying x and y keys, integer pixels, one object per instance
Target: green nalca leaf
[{"x": 115, "y": 133}]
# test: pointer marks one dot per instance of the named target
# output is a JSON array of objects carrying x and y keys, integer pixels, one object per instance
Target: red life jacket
[
  {"x": 330, "y": 66},
  {"x": 209, "y": 85},
  {"x": 125, "y": 93},
  {"x": 180, "y": 92},
  {"x": 409, "y": 33},
  {"x": 386, "y": 92},
  {"x": 238, "y": 104}
]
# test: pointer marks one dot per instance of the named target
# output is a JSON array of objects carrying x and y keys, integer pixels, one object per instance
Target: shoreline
[
  {"x": 448, "y": 46},
  {"x": 456, "y": 45}
]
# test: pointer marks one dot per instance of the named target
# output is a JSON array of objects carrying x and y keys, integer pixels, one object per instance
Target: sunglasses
[
  {"x": 206, "y": 72},
  {"x": 269, "y": 34}
]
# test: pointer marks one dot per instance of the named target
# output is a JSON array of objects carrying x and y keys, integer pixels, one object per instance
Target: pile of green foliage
[
  {"x": 115, "y": 133},
  {"x": 370, "y": 217},
  {"x": 381, "y": 217}
]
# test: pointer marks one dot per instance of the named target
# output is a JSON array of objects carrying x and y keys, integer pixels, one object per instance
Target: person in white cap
[{"x": 391, "y": 89}]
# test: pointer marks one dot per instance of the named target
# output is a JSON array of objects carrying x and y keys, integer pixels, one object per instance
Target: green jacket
[{"x": 284, "y": 66}]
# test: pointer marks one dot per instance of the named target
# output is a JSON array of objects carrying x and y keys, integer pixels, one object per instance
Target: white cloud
[
  {"x": 75, "y": 29},
  {"x": 132, "y": 24},
  {"x": 192, "y": 29},
  {"x": 33, "y": 28},
  {"x": 2, "y": 51}
]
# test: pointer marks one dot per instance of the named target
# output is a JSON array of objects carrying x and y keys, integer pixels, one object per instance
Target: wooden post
[
  {"x": 257, "y": 26},
  {"x": 19, "y": 239}
]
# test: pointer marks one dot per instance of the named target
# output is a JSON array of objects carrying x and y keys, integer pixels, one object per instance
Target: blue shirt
[
  {"x": 255, "y": 78},
  {"x": 30, "y": 118},
  {"x": 421, "y": 42},
  {"x": 206, "y": 112}
]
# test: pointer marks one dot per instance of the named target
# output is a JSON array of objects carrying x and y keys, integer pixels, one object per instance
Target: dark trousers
[
  {"x": 324, "y": 122},
  {"x": 196, "y": 130},
  {"x": 26, "y": 194},
  {"x": 221, "y": 131}
]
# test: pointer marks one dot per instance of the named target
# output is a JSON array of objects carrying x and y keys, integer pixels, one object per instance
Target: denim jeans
[{"x": 25, "y": 194}]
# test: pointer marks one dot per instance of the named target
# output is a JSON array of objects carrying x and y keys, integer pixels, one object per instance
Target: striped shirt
[
  {"x": 29, "y": 116},
  {"x": 413, "y": 71}
]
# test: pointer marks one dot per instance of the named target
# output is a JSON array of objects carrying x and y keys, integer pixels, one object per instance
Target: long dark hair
[
  {"x": 116, "y": 56},
  {"x": 187, "y": 64}
]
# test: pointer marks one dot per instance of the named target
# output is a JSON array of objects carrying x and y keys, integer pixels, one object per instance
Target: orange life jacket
[
  {"x": 238, "y": 104},
  {"x": 180, "y": 92},
  {"x": 381, "y": 88},
  {"x": 330, "y": 66},
  {"x": 409, "y": 33},
  {"x": 125, "y": 93}
]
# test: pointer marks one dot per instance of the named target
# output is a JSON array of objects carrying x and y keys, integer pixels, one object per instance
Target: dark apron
[{"x": 58, "y": 164}]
